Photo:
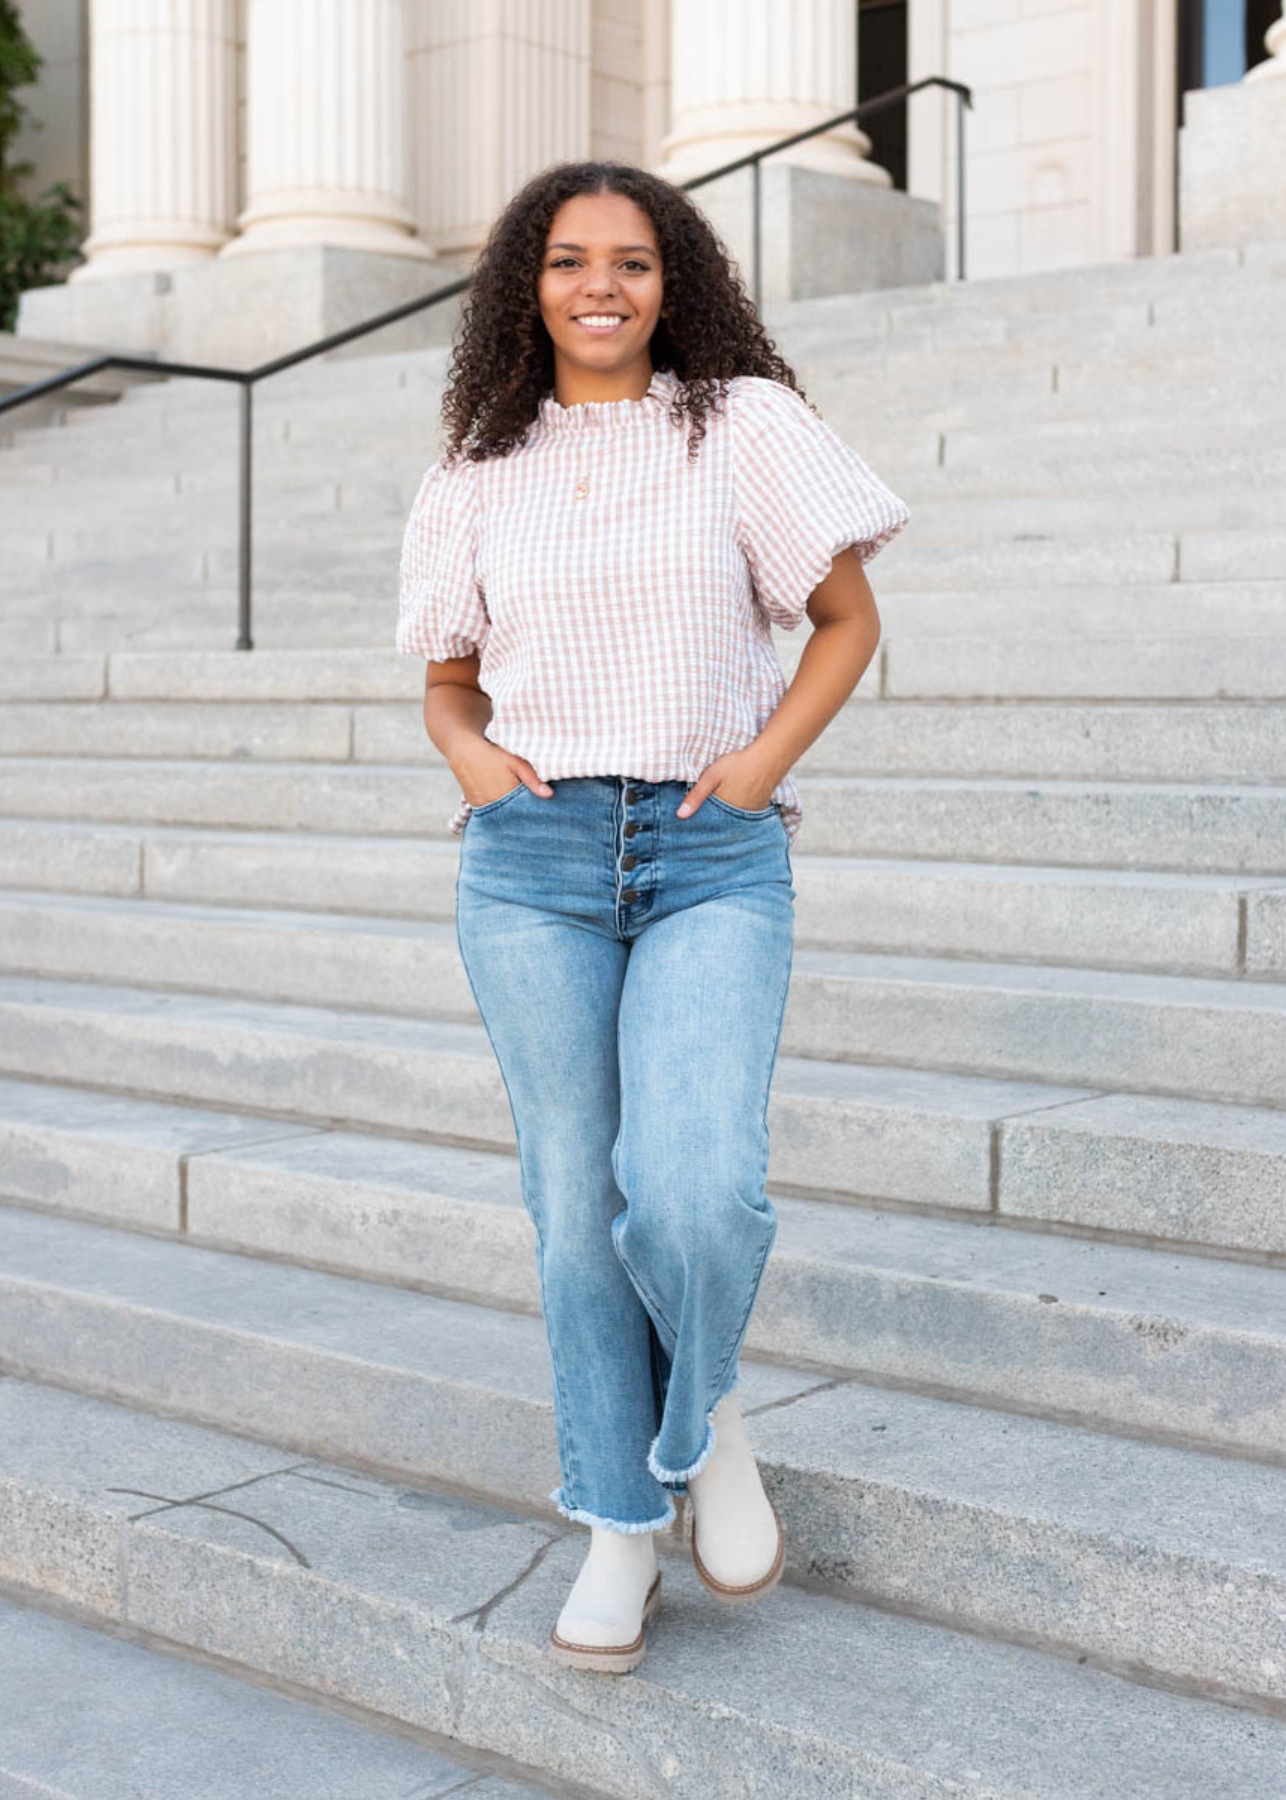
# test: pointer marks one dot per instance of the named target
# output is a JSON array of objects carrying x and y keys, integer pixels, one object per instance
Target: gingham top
[{"x": 622, "y": 597}]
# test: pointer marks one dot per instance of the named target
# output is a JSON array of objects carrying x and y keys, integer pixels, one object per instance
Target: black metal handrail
[{"x": 247, "y": 378}]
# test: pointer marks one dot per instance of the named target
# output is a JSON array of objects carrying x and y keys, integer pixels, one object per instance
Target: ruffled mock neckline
[{"x": 597, "y": 415}]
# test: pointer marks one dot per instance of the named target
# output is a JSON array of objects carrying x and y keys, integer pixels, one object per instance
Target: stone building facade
[{"x": 355, "y": 150}]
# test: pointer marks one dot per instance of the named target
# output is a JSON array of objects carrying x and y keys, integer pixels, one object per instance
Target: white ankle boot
[
  {"x": 603, "y": 1624},
  {"x": 737, "y": 1542}
]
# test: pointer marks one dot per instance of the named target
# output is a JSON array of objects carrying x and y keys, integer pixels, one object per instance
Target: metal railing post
[
  {"x": 756, "y": 226},
  {"x": 960, "y": 187},
  {"x": 245, "y": 516}
]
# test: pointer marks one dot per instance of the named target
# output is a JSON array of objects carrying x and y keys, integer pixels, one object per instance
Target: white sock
[{"x": 605, "y": 1605}]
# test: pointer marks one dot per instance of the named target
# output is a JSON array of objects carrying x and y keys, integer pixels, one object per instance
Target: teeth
[{"x": 599, "y": 319}]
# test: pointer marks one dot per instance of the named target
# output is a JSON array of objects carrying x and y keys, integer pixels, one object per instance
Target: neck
[{"x": 573, "y": 385}]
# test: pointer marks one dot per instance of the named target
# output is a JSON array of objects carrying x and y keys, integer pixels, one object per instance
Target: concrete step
[
  {"x": 93, "y": 1715},
  {"x": 335, "y": 562},
  {"x": 1083, "y": 455},
  {"x": 925, "y": 712},
  {"x": 112, "y": 514},
  {"x": 1013, "y": 1317},
  {"x": 1134, "y": 1163},
  {"x": 919, "y": 663},
  {"x": 108, "y": 616},
  {"x": 896, "y": 1134},
  {"x": 226, "y": 730},
  {"x": 335, "y": 559},
  {"x": 955, "y": 1512},
  {"x": 1168, "y": 923},
  {"x": 169, "y": 473},
  {"x": 1184, "y": 373},
  {"x": 1171, "y": 1034},
  {"x": 925, "y": 471},
  {"x": 1160, "y": 611},
  {"x": 203, "y": 522},
  {"x": 335, "y": 623},
  {"x": 1092, "y": 284},
  {"x": 915, "y": 712},
  {"x": 1140, "y": 370},
  {"x": 1232, "y": 828},
  {"x": 436, "y": 1611}
]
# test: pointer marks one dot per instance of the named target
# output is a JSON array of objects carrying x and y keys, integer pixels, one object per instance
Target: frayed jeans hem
[
  {"x": 582, "y": 1517},
  {"x": 677, "y": 1479}
]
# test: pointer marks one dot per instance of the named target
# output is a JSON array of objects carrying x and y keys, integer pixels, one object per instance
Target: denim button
[
  {"x": 628, "y": 862},
  {"x": 629, "y": 893},
  {"x": 631, "y": 794},
  {"x": 631, "y": 828}
]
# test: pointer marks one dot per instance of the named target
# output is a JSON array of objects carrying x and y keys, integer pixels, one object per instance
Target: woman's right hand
[{"x": 486, "y": 772}]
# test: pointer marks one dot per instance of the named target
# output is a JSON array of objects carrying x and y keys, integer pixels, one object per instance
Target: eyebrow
[{"x": 618, "y": 248}]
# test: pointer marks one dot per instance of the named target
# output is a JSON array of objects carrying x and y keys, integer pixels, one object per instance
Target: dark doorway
[
  {"x": 1220, "y": 39},
  {"x": 882, "y": 64}
]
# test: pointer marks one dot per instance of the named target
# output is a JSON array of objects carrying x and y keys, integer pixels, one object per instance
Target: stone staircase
[{"x": 277, "y": 1389}]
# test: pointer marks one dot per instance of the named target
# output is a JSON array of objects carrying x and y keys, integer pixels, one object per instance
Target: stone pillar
[
  {"x": 1275, "y": 44},
  {"x": 324, "y": 128},
  {"x": 746, "y": 72},
  {"x": 497, "y": 93},
  {"x": 162, "y": 134}
]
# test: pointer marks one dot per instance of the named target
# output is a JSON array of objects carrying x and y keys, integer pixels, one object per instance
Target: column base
[
  {"x": 825, "y": 234},
  {"x": 1232, "y": 150},
  {"x": 243, "y": 310}
]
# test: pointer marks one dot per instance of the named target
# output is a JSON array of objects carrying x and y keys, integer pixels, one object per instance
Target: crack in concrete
[
  {"x": 480, "y": 1614},
  {"x": 232, "y": 1512},
  {"x": 790, "y": 1399},
  {"x": 230, "y": 1487},
  {"x": 345, "y": 1487}
]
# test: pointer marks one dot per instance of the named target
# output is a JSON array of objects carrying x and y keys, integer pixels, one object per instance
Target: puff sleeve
[
  {"x": 441, "y": 608},
  {"x": 803, "y": 495}
]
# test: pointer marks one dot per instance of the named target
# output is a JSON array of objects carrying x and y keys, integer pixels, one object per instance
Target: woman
[{"x": 632, "y": 492}]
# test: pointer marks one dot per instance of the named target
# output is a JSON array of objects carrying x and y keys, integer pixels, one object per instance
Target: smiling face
[{"x": 600, "y": 297}]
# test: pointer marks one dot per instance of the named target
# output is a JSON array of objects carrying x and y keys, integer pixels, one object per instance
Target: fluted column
[
  {"x": 324, "y": 128},
  {"x": 746, "y": 72},
  {"x": 162, "y": 133},
  {"x": 1275, "y": 44},
  {"x": 498, "y": 92}
]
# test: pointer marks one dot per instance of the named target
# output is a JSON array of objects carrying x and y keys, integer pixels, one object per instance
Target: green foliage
[{"x": 38, "y": 238}]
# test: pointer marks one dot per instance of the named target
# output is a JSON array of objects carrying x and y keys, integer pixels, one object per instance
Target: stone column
[
  {"x": 162, "y": 134},
  {"x": 744, "y": 72},
  {"x": 324, "y": 128},
  {"x": 497, "y": 94},
  {"x": 1275, "y": 44}
]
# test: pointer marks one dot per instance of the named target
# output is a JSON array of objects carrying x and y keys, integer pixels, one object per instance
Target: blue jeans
[{"x": 631, "y": 970}]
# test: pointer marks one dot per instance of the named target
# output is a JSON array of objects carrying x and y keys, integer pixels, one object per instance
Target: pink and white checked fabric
[{"x": 620, "y": 595}]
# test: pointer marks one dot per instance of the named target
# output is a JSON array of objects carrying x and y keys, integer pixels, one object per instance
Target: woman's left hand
[{"x": 739, "y": 777}]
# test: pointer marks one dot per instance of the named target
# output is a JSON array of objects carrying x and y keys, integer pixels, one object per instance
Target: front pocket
[
  {"x": 487, "y": 806},
  {"x": 742, "y": 812}
]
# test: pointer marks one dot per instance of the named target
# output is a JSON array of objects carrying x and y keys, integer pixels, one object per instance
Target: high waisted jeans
[{"x": 631, "y": 970}]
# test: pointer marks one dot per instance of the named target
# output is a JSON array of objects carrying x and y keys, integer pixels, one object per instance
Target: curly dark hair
[{"x": 502, "y": 363}]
